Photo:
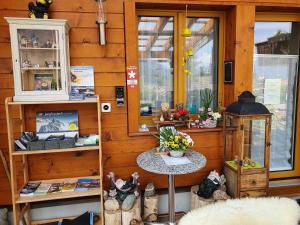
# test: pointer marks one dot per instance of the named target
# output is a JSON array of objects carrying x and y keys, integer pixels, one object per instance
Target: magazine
[
  {"x": 55, "y": 188},
  {"x": 83, "y": 184},
  {"x": 57, "y": 123},
  {"x": 82, "y": 82},
  {"x": 43, "y": 82},
  {"x": 69, "y": 186},
  {"x": 29, "y": 188},
  {"x": 42, "y": 189}
]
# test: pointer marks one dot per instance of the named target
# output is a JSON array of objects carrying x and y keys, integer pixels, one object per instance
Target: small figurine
[
  {"x": 23, "y": 41},
  {"x": 40, "y": 10},
  {"x": 246, "y": 162},
  {"x": 165, "y": 109},
  {"x": 209, "y": 185},
  {"x": 29, "y": 43},
  {"x": 26, "y": 63},
  {"x": 54, "y": 45},
  {"x": 34, "y": 40}
]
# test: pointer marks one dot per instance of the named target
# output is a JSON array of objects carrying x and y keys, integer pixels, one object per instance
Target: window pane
[
  {"x": 204, "y": 62},
  {"x": 275, "y": 84},
  {"x": 156, "y": 67}
]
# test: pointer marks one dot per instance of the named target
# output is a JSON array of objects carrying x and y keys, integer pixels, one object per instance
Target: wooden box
[{"x": 249, "y": 183}]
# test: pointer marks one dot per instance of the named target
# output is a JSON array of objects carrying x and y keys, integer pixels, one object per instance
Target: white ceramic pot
[{"x": 176, "y": 154}]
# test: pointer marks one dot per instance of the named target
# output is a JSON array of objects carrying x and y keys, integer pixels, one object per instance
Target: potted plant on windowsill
[
  {"x": 207, "y": 117},
  {"x": 175, "y": 142}
]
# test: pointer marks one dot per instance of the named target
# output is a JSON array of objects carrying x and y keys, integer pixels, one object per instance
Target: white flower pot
[{"x": 176, "y": 154}]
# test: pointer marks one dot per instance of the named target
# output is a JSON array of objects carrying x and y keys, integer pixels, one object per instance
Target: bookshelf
[{"x": 22, "y": 205}]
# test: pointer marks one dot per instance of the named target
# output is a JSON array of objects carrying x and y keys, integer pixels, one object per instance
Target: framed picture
[
  {"x": 43, "y": 81},
  {"x": 228, "y": 71}
]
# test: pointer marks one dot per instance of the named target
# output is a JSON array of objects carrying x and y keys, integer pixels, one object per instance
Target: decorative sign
[{"x": 132, "y": 76}]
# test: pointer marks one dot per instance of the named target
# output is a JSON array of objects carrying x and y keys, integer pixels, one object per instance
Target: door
[{"x": 275, "y": 83}]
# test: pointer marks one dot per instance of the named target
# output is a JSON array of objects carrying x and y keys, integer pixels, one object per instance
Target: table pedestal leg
[{"x": 171, "y": 197}]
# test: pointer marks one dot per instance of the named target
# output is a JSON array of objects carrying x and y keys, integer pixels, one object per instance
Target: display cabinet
[
  {"x": 40, "y": 56},
  {"x": 247, "y": 127}
]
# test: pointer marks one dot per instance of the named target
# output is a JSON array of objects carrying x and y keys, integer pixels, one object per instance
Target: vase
[
  {"x": 176, "y": 154},
  {"x": 209, "y": 124}
]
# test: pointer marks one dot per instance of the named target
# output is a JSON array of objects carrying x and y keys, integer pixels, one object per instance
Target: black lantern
[{"x": 247, "y": 130}]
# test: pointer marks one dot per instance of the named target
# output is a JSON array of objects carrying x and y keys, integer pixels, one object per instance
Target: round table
[{"x": 153, "y": 162}]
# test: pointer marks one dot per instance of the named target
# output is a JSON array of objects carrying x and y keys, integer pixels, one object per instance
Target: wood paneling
[{"x": 109, "y": 61}]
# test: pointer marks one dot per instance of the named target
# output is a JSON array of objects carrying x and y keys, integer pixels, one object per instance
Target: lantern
[{"x": 247, "y": 130}]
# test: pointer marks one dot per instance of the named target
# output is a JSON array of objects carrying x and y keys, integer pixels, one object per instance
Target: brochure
[{"x": 82, "y": 82}]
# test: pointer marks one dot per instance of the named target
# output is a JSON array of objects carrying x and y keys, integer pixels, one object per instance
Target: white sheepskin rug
[{"x": 246, "y": 211}]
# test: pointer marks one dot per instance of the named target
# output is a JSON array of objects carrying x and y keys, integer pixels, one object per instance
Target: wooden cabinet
[
  {"x": 20, "y": 168},
  {"x": 40, "y": 55}
]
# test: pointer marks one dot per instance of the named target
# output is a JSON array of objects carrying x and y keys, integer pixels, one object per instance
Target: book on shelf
[
  {"x": 55, "y": 188},
  {"x": 42, "y": 189},
  {"x": 85, "y": 184},
  {"x": 69, "y": 186},
  {"x": 29, "y": 189}
]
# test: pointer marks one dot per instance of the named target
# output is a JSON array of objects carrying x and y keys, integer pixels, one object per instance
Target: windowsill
[{"x": 153, "y": 131}]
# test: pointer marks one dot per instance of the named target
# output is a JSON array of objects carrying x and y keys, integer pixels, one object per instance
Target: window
[
  {"x": 275, "y": 83},
  {"x": 161, "y": 48},
  {"x": 156, "y": 62}
]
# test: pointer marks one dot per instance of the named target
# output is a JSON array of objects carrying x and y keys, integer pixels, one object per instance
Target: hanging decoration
[
  {"x": 101, "y": 21},
  {"x": 188, "y": 52}
]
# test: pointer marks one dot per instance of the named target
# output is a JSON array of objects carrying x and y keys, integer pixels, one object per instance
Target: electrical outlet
[{"x": 106, "y": 107}]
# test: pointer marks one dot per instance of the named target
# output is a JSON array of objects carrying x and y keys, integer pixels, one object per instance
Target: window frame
[
  {"x": 286, "y": 17},
  {"x": 131, "y": 41}
]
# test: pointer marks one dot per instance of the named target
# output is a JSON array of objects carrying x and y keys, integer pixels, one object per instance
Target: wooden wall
[{"x": 120, "y": 150}]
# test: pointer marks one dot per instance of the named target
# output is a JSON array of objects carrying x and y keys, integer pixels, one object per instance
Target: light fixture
[{"x": 101, "y": 21}]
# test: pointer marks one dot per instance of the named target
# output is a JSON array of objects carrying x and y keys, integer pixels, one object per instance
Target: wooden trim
[
  {"x": 277, "y": 17},
  {"x": 288, "y": 3},
  {"x": 286, "y": 17},
  {"x": 131, "y": 60}
]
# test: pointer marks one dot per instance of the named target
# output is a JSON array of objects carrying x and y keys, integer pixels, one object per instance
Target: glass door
[
  {"x": 275, "y": 83},
  {"x": 39, "y": 57}
]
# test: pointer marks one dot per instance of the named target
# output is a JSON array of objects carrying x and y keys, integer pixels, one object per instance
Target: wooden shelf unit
[{"x": 21, "y": 205}]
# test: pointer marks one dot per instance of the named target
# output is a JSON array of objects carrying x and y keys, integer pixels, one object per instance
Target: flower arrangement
[
  {"x": 173, "y": 140},
  {"x": 181, "y": 114},
  {"x": 208, "y": 118}
]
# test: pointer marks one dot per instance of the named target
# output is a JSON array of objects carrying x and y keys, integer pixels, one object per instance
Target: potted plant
[
  {"x": 208, "y": 118},
  {"x": 175, "y": 142}
]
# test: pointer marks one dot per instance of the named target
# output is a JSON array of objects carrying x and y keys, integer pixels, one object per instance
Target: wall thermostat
[
  {"x": 120, "y": 96},
  {"x": 105, "y": 107}
]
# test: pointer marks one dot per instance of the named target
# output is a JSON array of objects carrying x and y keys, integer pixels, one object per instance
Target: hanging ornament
[
  {"x": 187, "y": 32},
  {"x": 190, "y": 51}
]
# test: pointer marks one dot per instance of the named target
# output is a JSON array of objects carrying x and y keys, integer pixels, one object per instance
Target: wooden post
[
  {"x": 112, "y": 217},
  {"x": 150, "y": 208},
  {"x": 197, "y": 201},
  {"x": 133, "y": 214}
]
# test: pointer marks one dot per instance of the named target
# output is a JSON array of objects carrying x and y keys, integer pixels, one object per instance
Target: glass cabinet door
[{"x": 39, "y": 57}]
